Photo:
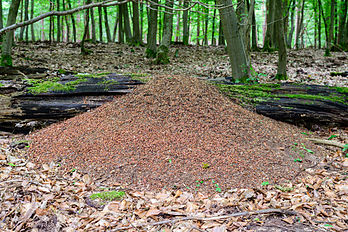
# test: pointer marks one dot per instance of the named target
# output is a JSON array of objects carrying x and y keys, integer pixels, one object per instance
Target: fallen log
[
  {"x": 304, "y": 105},
  {"x": 29, "y": 103}
]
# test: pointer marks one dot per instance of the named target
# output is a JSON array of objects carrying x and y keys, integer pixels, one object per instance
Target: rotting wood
[
  {"x": 25, "y": 107},
  {"x": 305, "y": 105}
]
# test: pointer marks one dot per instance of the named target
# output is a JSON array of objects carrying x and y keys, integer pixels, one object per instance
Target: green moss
[
  {"x": 39, "y": 86},
  {"x": 281, "y": 77},
  {"x": 143, "y": 77},
  {"x": 61, "y": 71},
  {"x": 108, "y": 196},
  {"x": 1, "y": 84},
  {"x": 6, "y": 61},
  {"x": 340, "y": 89},
  {"x": 262, "y": 92}
]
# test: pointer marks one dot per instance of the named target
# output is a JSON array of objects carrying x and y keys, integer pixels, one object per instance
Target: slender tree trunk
[
  {"x": 72, "y": 22},
  {"x": 21, "y": 31},
  {"x": 1, "y": 19},
  {"x": 342, "y": 22},
  {"x": 85, "y": 51},
  {"x": 221, "y": 34},
  {"x": 299, "y": 27},
  {"x": 206, "y": 27},
  {"x": 58, "y": 23},
  {"x": 292, "y": 28},
  {"x": 26, "y": 17},
  {"x": 94, "y": 36},
  {"x": 177, "y": 34},
  {"x": 269, "y": 39},
  {"x": 152, "y": 31},
  {"x": 325, "y": 23},
  {"x": 66, "y": 18},
  {"x": 281, "y": 71},
  {"x": 100, "y": 15},
  {"x": 198, "y": 28},
  {"x": 115, "y": 30},
  {"x": 332, "y": 23},
  {"x": 141, "y": 20},
  {"x": 6, "y": 58},
  {"x": 185, "y": 25},
  {"x": 235, "y": 47},
  {"x": 136, "y": 28},
  {"x": 213, "y": 40},
  {"x": 42, "y": 30},
  {"x": 254, "y": 33},
  {"x": 107, "y": 28},
  {"x": 162, "y": 54},
  {"x": 31, "y": 17},
  {"x": 319, "y": 26},
  {"x": 126, "y": 21},
  {"x": 120, "y": 25}
]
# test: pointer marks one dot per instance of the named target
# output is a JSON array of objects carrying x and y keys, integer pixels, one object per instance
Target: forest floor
[{"x": 48, "y": 197}]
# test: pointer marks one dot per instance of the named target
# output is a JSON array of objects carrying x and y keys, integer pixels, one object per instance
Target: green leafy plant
[
  {"x": 332, "y": 136},
  {"x": 265, "y": 183},
  {"x": 218, "y": 189},
  {"x": 12, "y": 164},
  {"x": 108, "y": 196},
  {"x": 297, "y": 160},
  {"x": 284, "y": 189},
  {"x": 205, "y": 165}
]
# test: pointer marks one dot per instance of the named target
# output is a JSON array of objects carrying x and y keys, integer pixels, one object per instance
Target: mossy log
[
  {"x": 30, "y": 103},
  {"x": 304, "y": 105}
]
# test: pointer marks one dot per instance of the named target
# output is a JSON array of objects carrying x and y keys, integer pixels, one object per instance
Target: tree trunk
[
  {"x": 198, "y": 28},
  {"x": 213, "y": 40},
  {"x": 177, "y": 34},
  {"x": 319, "y": 26},
  {"x": 21, "y": 31},
  {"x": 100, "y": 17},
  {"x": 126, "y": 21},
  {"x": 235, "y": 47},
  {"x": 72, "y": 22},
  {"x": 85, "y": 51},
  {"x": 120, "y": 25},
  {"x": 6, "y": 58},
  {"x": 58, "y": 23},
  {"x": 94, "y": 36},
  {"x": 162, "y": 54},
  {"x": 329, "y": 42},
  {"x": 185, "y": 24},
  {"x": 115, "y": 30},
  {"x": 254, "y": 33},
  {"x": 152, "y": 31},
  {"x": 136, "y": 28},
  {"x": 342, "y": 22},
  {"x": 67, "y": 24},
  {"x": 269, "y": 37},
  {"x": 1, "y": 16},
  {"x": 107, "y": 28},
  {"x": 281, "y": 71},
  {"x": 299, "y": 25},
  {"x": 221, "y": 34},
  {"x": 206, "y": 27},
  {"x": 31, "y": 17},
  {"x": 292, "y": 27}
]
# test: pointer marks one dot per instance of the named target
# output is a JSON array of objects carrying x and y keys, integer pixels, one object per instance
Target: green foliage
[
  {"x": 149, "y": 53},
  {"x": 265, "y": 183},
  {"x": 205, "y": 165},
  {"x": 1, "y": 84},
  {"x": 281, "y": 77},
  {"x": 108, "y": 196},
  {"x": 6, "y": 61}
]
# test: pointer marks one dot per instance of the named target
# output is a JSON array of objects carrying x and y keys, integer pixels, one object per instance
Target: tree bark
[
  {"x": 120, "y": 25},
  {"x": 213, "y": 40},
  {"x": 162, "y": 54},
  {"x": 136, "y": 24},
  {"x": 198, "y": 28},
  {"x": 281, "y": 71},
  {"x": 329, "y": 42},
  {"x": 100, "y": 15},
  {"x": 73, "y": 22},
  {"x": 206, "y": 26},
  {"x": 126, "y": 21},
  {"x": 66, "y": 23},
  {"x": 342, "y": 22},
  {"x": 93, "y": 32},
  {"x": 254, "y": 33},
  {"x": 32, "y": 25},
  {"x": 58, "y": 23},
  {"x": 185, "y": 24},
  {"x": 299, "y": 25},
  {"x": 21, "y": 31},
  {"x": 107, "y": 28},
  {"x": 221, "y": 34},
  {"x": 235, "y": 47},
  {"x": 85, "y": 51},
  {"x": 151, "y": 48},
  {"x": 6, "y": 58}
]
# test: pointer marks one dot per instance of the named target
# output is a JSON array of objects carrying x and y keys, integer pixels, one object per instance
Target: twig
[
  {"x": 327, "y": 142},
  {"x": 264, "y": 211}
]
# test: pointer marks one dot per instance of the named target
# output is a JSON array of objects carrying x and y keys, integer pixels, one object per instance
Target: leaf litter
[{"x": 46, "y": 197}]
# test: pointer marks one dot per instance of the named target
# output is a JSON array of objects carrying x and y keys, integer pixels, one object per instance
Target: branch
[
  {"x": 328, "y": 142},
  {"x": 60, "y": 13},
  {"x": 264, "y": 211}
]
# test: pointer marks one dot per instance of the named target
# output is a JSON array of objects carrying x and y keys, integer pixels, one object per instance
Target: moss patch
[
  {"x": 6, "y": 61},
  {"x": 44, "y": 86},
  {"x": 108, "y": 196},
  {"x": 261, "y": 92}
]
